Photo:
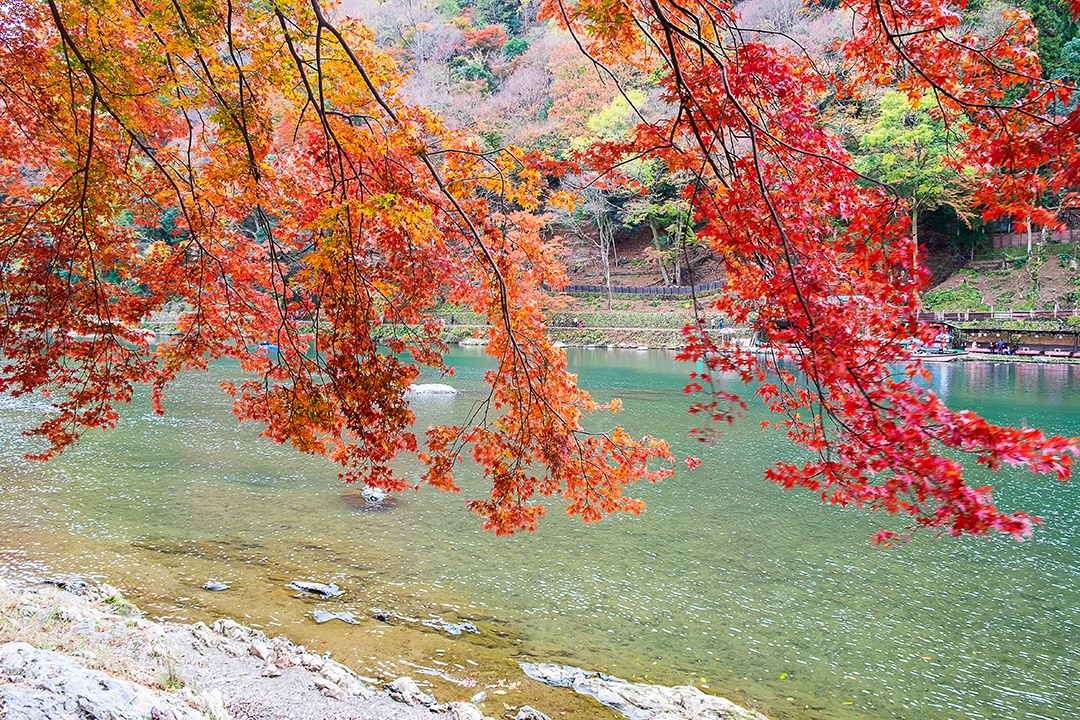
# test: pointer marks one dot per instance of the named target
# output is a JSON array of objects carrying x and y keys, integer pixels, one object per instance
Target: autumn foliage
[{"x": 308, "y": 204}]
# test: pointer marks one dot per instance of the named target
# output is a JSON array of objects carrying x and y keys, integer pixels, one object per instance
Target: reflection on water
[{"x": 725, "y": 582}]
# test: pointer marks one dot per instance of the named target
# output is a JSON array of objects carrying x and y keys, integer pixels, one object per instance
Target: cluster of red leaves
[
  {"x": 311, "y": 206},
  {"x": 1014, "y": 125},
  {"x": 484, "y": 41},
  {"x": 823, "y": 266}
]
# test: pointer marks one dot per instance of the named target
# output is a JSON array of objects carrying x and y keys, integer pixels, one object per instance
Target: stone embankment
[{"x": 74, "y": 651}]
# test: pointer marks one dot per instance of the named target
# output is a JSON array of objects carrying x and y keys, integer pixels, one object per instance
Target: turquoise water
[{"x": 726, "y": 582}]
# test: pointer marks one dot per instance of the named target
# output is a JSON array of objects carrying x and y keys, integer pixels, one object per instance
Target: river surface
[{"x": 726, "y": 582}]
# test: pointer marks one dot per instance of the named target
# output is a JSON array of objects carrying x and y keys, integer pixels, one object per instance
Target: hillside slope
[{"x": 1003, "y": 280}]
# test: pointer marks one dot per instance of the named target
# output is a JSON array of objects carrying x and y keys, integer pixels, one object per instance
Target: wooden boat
[{"x": 943, "y": 356}]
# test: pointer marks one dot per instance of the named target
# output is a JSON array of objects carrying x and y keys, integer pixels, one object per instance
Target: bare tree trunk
[
  {"x": 680, "y": 251},
  {"x": 605, "y": 231},
  {"x": 659, "y": 254},
  {"x": 914, "y": 235}
]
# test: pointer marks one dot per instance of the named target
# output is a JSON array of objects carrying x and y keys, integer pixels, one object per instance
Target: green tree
[
  {"x": 515, "y": 46},
  {"x": 908, "y": 150},
  {"x": 1069, "y": 71},
  {"x": 612, "y": 121},
  {"x": 500, "y": 12},
  {"x": 661, "y": 208},
  {"x": 1056, "y": 26}
]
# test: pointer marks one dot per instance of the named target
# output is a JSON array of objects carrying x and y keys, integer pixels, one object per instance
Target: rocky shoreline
[
  {"x": 70, "y": 650},
  {"x": 73, "y": 650}
]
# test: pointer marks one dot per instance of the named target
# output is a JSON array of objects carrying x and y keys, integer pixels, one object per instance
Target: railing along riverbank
[
  {"x": 967, "y": 316},
  {"x": 645, "y": 290}
]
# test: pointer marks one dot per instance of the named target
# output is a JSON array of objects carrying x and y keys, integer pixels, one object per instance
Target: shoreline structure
[
  {"x": 638, "y": 324},
  {"x": 69, "y": 649},
  {"x": 671, "y": 339}
]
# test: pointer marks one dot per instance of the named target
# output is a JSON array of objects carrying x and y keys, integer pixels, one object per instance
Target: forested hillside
[{"x": 489, "y": 66}]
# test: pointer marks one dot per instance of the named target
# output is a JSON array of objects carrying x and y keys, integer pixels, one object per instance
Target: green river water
[{"x": 726, "y": 582}]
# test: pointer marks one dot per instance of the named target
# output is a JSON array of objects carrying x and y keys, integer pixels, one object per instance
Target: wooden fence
[
  {"x": 1005, "y": 315},
  {"x": 1010, "y": 240},
  {"x": 671, "y": 290}
]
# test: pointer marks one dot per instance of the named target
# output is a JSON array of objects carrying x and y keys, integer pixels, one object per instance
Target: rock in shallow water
[
  {"x": 322, "y": 616},
  {"x": 373, "y": 495},
  {"x": 431, "y": 389},
  {"x": 452, "y": 628},
  {"x": 215, "y": 586},
  {"x": 315, "y": 588},
  {"x": 638, "y": 701}
]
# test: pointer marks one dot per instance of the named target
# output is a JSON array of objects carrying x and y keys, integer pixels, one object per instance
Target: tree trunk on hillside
[
  {"x": 914, "y": 234},
  {"x": 659, "y": 254},
  {"x": 606, "y": 233}
]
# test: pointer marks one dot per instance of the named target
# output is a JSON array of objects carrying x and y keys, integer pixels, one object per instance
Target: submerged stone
[
  {"x": 452, "y": 628},
  {"x": 322, "y": 616},
  {"x": 326, "y": 590},
  {"x": 639, "y": 701}
]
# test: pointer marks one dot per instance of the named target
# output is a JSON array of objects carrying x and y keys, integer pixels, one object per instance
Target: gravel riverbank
[{"x": 74, "y": 650}]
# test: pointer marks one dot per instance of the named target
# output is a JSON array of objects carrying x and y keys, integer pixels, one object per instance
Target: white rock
[
  {"x": 329, "y": 688},
  {"x": 530, "y": 713},
  {"x": 638, "y": 701},
  {"x": 235, "y": 631},
  {"x": 405, "y": 690},
  {"x": 211, "y": 702},
  {"x": 460, "y": 711},
  {"x": 431, "y": 389},
  {"x": 44, "y": 684},
  {"x": 312, "y": 662},
  {"x": 373, "y": 495},
  {"x": 207, "y": 637},
  {"x": 344, "y": 678}
]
